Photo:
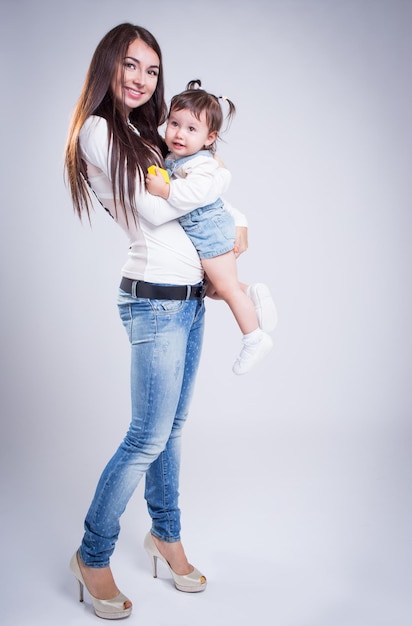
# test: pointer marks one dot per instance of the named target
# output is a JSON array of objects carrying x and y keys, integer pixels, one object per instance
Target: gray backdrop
[{"x": 296, "y": 478}]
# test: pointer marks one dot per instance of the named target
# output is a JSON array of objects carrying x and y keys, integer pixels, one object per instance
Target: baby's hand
[
  {"x": 153, "y": 169},
  {"x": 157, "y": 182}
]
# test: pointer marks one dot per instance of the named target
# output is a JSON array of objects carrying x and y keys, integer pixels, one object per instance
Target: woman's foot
[
  {"x": 186, "y": 577},
  {"x": 99, "y": 582},
  {"x": 174, "y": 555},
  {"x": 108, "y": 602}
]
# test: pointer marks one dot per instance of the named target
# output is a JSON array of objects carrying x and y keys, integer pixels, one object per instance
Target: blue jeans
[{"x": 166, "y": 338}]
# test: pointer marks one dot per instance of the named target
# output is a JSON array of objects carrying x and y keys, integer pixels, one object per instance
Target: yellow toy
[{"x": 152, "y": 170}]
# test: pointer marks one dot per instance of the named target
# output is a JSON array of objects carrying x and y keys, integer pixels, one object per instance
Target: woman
[{"x": 112, "y": 140}]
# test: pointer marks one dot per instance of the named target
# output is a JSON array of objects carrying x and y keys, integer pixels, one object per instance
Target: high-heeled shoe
[
  {"x": 107, "y": 609},
  {"x": 193, "y": 582}
]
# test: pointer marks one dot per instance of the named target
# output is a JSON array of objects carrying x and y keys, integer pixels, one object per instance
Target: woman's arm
[
  {"x": 96, "y": 150},
  {"x": 239, "y": 217}
]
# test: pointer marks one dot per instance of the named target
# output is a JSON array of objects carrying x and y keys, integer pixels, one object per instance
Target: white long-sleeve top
[
  {"x": 159, "y": 249},
  {"x": 193, "y": 175}
]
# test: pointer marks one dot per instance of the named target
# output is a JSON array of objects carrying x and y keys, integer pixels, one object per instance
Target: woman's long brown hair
[{"x": 131, "y": 154}]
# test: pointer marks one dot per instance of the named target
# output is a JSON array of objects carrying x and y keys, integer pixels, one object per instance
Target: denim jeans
[{"x": 166, "y": 338}]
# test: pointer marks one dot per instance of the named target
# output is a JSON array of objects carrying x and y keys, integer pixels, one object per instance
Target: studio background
[{"x": 296, "y": 478}]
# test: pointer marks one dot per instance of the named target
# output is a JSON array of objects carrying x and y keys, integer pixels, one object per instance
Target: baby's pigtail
[{"x": 232, "y": 109}]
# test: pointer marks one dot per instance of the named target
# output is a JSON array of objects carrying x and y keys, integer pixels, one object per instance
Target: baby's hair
[{"x": 198, "y": 100}]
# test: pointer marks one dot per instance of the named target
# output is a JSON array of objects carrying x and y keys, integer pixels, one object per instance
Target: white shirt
[{"x": 159, "y": 249}]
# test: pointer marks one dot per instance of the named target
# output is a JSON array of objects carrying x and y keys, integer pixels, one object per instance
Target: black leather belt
[{"x": 140, "y": 289}]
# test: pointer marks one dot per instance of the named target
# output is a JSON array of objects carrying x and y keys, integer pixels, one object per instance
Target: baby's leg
[
  {"x": 262, "y": 300},
  {"x": 222, "y": 273}
]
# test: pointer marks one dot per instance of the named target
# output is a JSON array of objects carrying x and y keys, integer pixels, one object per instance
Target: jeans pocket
[
  {"x": 167, "y": 306},
  {"x": 225, "y": 224}
]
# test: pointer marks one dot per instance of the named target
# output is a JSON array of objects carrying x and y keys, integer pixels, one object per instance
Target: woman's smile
[{"x": 136, "y": 78}]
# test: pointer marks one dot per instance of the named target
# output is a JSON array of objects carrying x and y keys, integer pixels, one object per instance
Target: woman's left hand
[
  {"x": 241, "y": 240},
  {"x": 219, "y": 160}
]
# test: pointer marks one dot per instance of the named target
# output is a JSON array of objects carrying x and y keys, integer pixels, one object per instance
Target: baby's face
[{"x": 186, "y": 134}]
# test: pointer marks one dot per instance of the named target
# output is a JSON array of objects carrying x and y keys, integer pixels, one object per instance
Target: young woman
[{"x": 112, "y": 140}]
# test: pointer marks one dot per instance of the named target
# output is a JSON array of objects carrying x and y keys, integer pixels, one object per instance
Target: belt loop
[
  {"x": 134, "y": 285},
  {"x": 188, "y": 290}
]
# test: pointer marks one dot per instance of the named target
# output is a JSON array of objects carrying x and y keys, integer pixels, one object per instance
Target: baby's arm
[{"x": 199, "y": 180}]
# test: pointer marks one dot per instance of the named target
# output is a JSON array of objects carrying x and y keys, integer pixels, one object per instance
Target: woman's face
[{"x": 136, "y": 78}]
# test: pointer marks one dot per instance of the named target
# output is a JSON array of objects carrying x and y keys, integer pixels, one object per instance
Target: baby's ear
[{"x": 211, "y": 138}]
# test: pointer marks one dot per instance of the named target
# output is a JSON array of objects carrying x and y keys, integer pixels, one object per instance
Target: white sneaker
[
  {"x": 265, "y": 307},
  {"x": 252, "y": 353}
]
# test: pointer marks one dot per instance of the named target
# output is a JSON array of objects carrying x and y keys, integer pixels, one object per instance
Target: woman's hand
[
  {"x": 241, "y": 240},
  {"x": 219, "y": 160}
]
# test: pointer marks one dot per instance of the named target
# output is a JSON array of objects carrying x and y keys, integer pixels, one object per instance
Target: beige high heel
[
  {"x": 192, "y": 583},
  {"x": 107, "y": 609}
]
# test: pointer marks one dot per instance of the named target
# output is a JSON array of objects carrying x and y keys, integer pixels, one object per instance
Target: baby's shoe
[
  {"x": 265, "y": 307},
  {"x": 256, "y": 345}
]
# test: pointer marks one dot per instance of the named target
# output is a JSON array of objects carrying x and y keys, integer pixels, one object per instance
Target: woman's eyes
[{"x": 132, "y": 66}]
